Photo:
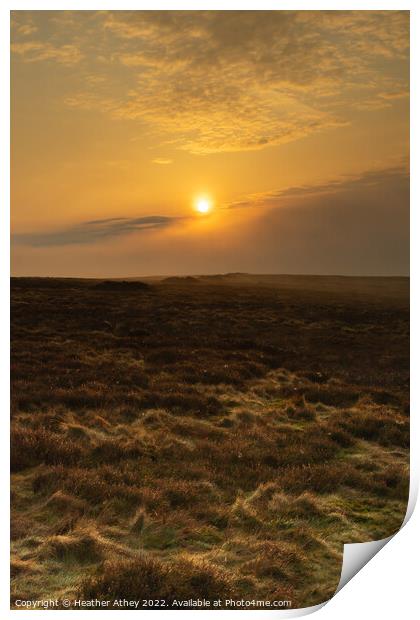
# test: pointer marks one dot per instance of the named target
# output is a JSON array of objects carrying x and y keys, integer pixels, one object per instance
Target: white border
[{"x": 387, "y": 586}]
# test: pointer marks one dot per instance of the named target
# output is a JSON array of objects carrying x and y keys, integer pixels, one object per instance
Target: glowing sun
[{"x": 203, "y": 205}]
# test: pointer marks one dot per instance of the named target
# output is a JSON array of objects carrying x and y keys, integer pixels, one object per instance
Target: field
[{"x": 209, "y": 437}]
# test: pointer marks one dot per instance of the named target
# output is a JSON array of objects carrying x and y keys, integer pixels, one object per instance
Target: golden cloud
[{"x": 210, "y": 81}]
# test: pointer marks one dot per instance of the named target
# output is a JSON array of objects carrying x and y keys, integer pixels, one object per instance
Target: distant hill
[
  {"x": 181, "y": 280},
  {"x": 122, "y": 285}
]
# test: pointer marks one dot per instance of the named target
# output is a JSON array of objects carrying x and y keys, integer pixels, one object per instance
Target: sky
[{"x": 289, "y": 129}]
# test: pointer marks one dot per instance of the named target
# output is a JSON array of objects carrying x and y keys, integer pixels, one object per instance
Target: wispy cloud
[
  {"x": 21, "y": 23},
  {"x": 364, "y": 181},
  {"x": 26, "y": 29},
  {"x": 35, "y": 51},
  {"x": 94, "y": 231},
  {"x": 210, "y": 81}
]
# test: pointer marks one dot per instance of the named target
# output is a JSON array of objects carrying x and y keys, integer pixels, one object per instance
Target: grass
[
  {"x": 155, "y": 579},
  {"x": 206, "y": 438}
]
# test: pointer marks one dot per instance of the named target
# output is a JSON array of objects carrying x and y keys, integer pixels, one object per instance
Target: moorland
[{"x": 204, "y": 437}]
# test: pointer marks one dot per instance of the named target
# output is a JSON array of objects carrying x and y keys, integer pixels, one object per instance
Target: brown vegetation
[{"x": 205, "y": 438}]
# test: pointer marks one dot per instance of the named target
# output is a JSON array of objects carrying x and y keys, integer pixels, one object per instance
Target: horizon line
[{"x": 227, "y": 273}]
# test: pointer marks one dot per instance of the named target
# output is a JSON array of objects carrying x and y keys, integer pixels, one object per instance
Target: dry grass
[
  {"x": 154, "y": 579},
  {"x": 204, "y": 439}
]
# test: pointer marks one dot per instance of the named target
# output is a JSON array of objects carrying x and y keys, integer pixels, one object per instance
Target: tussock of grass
[
  {"x": 152, "y": 579},
  {"x": 137, "y": 523},
  {"x": 83, "y": 547},
  {"x": 301, "y": 413},
  {"x": 23, "y": 567},
  {"x": 65, "y": 503},
  {"x": 33, "y": 446},
  {"x": 281, "y": 561},
  {"x": 379, "y": 425}
]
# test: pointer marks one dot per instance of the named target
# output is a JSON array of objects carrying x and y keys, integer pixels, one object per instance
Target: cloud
[
  {"x": 94, "y": 231},
  {"x": 211, "y": 81},
  {"x": 35, "y": 51},
  {"x": 355, "y": 225},
  {"x": 26, "y": 29},
  {"x": 241, "y": 80},
  {"x": 22, "y": 23},
  {"x": 359, "y": 226},
  {"x": 363, "y": 182}
]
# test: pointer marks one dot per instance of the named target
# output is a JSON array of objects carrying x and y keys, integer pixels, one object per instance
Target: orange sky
[{"x": 294, "y": 124}]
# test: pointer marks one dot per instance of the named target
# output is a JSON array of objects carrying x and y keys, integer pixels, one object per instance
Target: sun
[{"x": 203, "y": 205}]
